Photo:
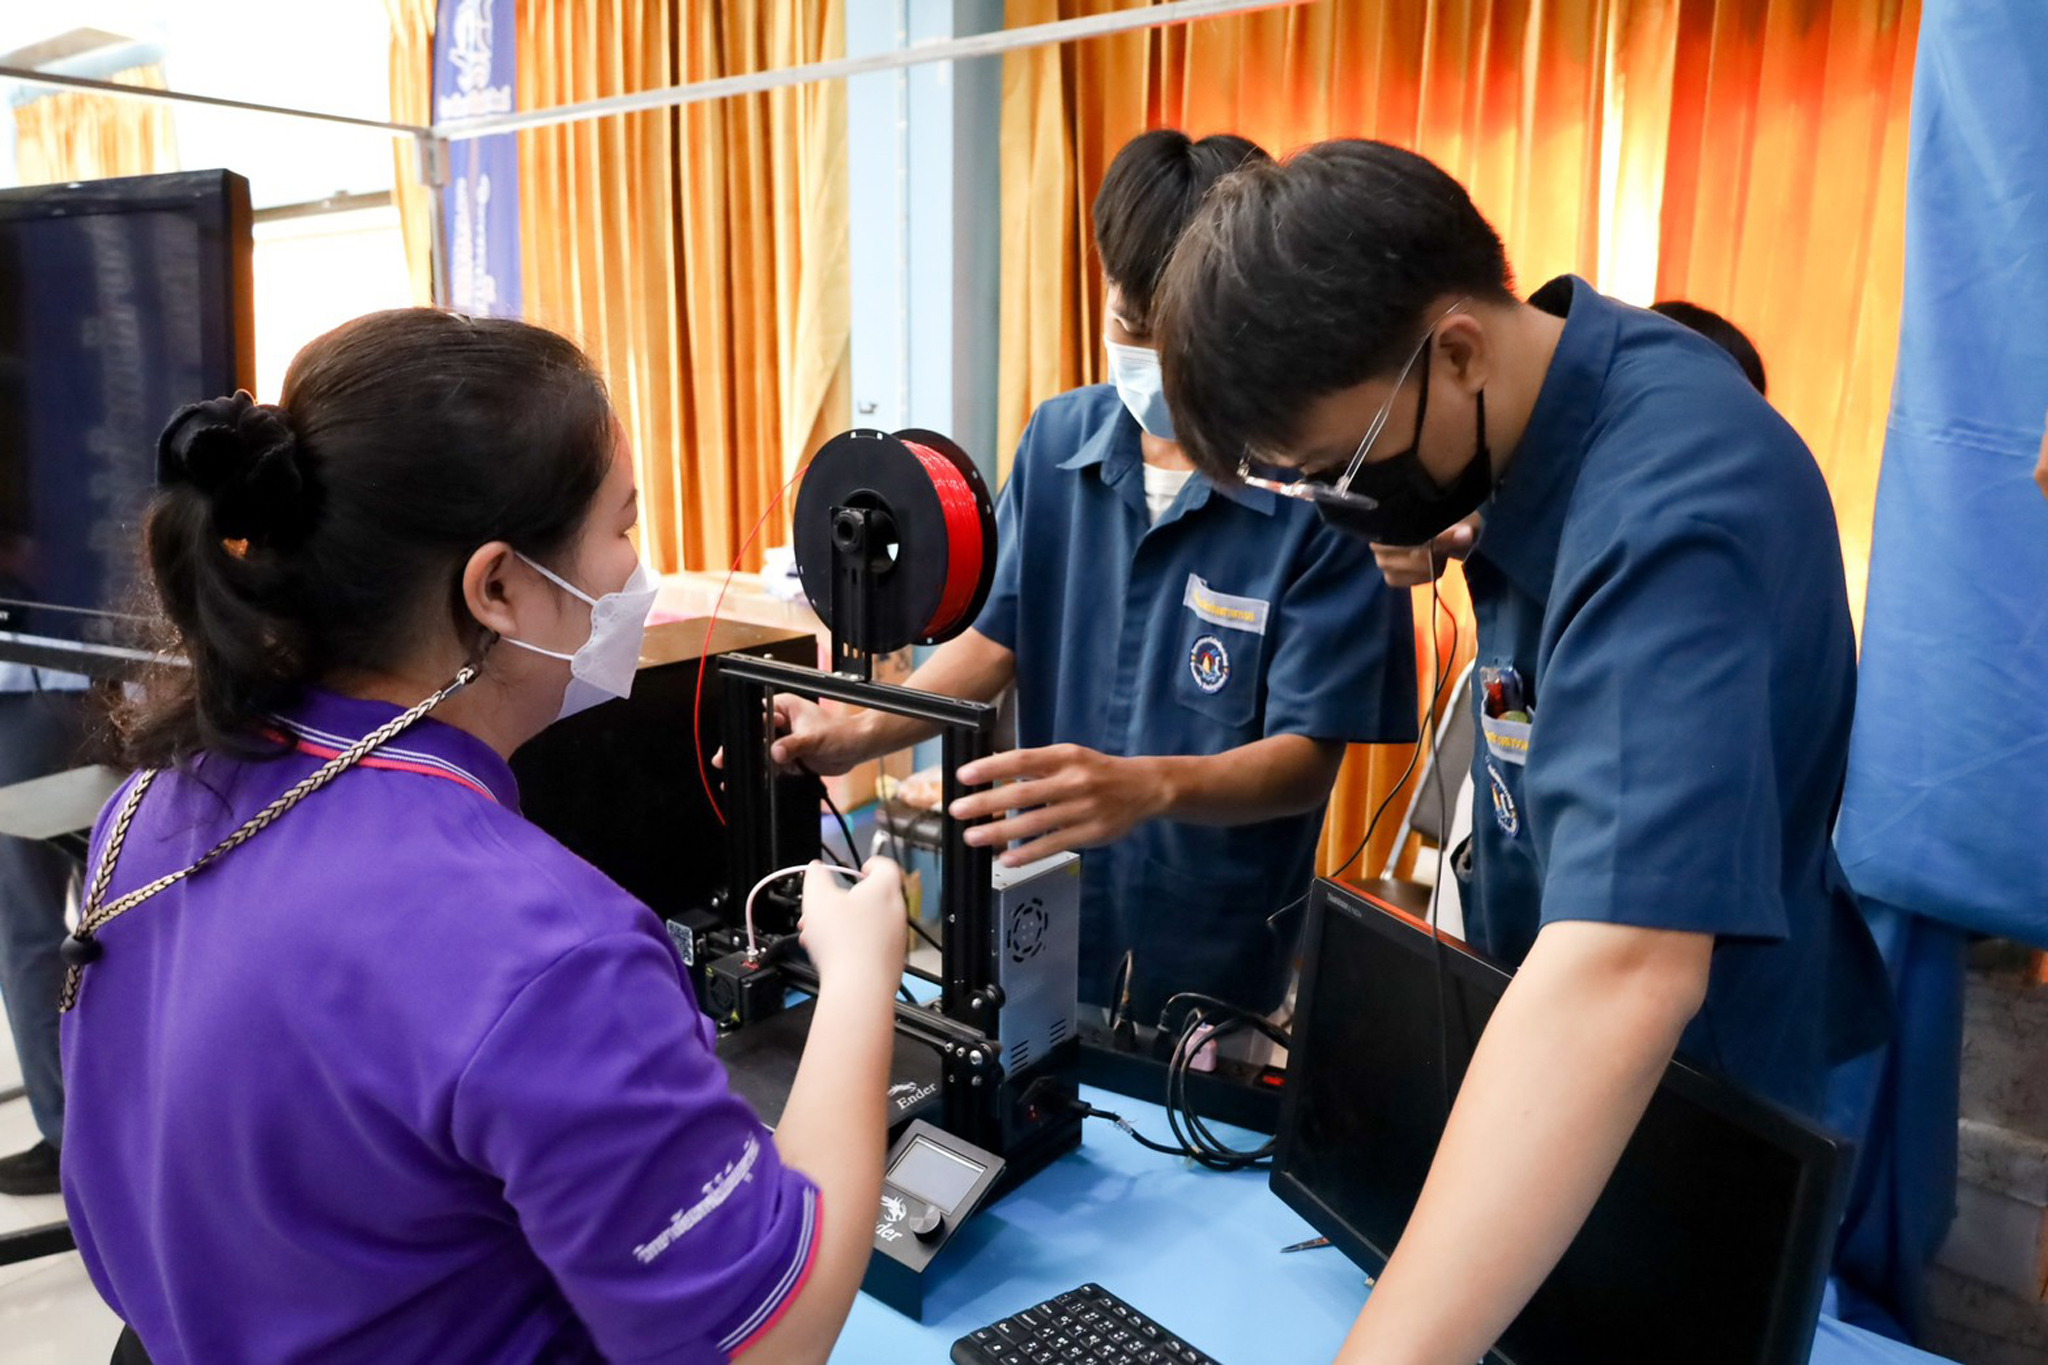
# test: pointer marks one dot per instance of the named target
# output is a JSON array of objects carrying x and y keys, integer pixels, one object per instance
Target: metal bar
[
  {"x": 969, "y": 1102},
  {"x": 748, "y": 783},
  {"x": 876, "y": 696},
  {"x": 430, "y": 161},
  {"x": 30, "y": 1244},
  {"x": 139, "y": 92},
  {"x": 940, "y": 50},
  {"x": 64, "y": 656},
  {"x": 343, "y": 202},
  {"x": 925, "y": 1024}
]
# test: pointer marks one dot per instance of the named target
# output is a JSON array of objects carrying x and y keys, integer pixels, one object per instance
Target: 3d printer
[
  {"x": 895, "y": 545},
  {"x": 895, "y": 540}
]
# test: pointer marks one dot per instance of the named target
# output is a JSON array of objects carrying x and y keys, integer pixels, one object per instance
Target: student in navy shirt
[
  {"x": 1659, "y": 593},
  {"x": 1190, "y": 658},
  {"x": 399, "y": 1077}
]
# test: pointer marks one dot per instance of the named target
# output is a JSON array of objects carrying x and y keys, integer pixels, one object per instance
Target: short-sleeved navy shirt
[
  {"x": 1660, "y": 564},
  {"x": 1236, "y": 617}
]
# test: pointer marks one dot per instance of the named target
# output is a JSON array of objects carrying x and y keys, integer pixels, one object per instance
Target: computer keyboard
[{"x": 1085, "y": 1326}]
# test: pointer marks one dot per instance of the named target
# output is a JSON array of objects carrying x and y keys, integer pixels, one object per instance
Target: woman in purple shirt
[{"x": 395, "y": 1076}]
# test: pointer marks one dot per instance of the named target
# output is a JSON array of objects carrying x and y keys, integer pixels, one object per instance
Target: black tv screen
[{"x": 120, "y": 301}]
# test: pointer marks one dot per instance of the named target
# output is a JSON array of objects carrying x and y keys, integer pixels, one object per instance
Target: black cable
[
  {"x": 1197, "y": 1139},
  {"x": 1089, "y": 1111},
  {"x": 919, "y": 929},
  {"x": 1431, "y": 724},
  {"x": 845, "y": 829},
  {"x": 853, "y": 851},
  {"x": 1193, "y": 1138},
  {"x": 888, "y": 828}
]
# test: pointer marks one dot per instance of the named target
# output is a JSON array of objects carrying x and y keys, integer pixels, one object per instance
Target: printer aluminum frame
[{"x": 1027, "y": 1118}]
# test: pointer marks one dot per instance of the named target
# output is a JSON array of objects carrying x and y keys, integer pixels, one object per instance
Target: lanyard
[{"x": 83, "y": 947}]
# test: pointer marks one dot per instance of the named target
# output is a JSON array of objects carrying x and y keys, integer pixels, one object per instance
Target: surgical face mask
[
  {"x": 603, "y": 668},
  {"x": 1135, "y": 372}
]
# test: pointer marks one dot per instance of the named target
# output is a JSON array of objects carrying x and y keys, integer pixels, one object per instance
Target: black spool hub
[{"x": 868, "y": 507}]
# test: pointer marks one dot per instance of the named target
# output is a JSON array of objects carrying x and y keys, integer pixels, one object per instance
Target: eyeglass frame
[{"x": 1338, "y": 492}]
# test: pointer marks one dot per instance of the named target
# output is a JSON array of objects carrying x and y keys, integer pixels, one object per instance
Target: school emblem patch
[
  {"x": 1504, "y": 813},
  {"x": 1209, "y": 661}
]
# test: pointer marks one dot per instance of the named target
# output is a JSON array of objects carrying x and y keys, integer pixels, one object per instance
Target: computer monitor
[
  {"x": 120, "y": 301},
  {"x": 1711, "y": 1242}
]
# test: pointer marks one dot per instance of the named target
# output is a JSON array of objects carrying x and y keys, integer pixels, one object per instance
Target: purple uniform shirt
[{"x": 401, "y": 1078}]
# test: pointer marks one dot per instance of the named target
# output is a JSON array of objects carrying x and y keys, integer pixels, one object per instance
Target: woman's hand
[{"x": 854, "y": 934}]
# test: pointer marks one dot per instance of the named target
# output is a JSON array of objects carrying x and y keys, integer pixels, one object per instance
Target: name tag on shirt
[
  {"x": 1506, "y": 740},
  {"x": 1222, "y": 609}
]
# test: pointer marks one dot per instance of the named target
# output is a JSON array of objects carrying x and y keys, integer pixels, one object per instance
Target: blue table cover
[{"x": 1197, "y": 1250}]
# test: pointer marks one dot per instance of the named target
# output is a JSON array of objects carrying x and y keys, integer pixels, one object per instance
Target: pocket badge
[
  {"x": 1504, "y": 813},
  {"x": 1209, "y": 661}
]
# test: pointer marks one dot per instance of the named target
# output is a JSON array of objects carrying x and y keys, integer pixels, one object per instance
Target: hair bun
[{"x": 243, "y": 456}]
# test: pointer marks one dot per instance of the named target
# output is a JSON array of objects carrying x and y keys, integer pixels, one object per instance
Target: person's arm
[
  {"x": 970, "y": 666},
  {"x": 1558, "y": 1083},
  {"x": 1065, "y": 796},
  {"x": 835, "y": 1126}
]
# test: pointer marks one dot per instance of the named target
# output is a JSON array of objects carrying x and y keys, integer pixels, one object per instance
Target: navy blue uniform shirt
[
  {"x": 1236, "y": 617},
  {"x": 1660, "y": 564}
]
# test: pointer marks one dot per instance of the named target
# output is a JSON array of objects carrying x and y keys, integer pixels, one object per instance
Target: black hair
[
  {"x": 1305, "y": 277},
  {"x": 1721, "y": 332},
  {"x": 329, "y": 532},
  {"x": 1148, "y": 194}
]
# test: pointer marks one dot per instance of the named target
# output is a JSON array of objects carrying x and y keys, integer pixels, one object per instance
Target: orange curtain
[
  {"x": 85, "y": 136},
  {"x": 412, "y": 101},
  {"x": 1746, "y": 154},
  {"x": 764, "y": 238},
  {"x": 698, "y": 253},
  {"x": 597, "y": 203}
]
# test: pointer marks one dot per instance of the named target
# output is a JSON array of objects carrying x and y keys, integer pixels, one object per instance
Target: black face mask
[{"x": 1408, "y": 506}]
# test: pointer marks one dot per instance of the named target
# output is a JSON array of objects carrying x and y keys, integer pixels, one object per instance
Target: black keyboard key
[{"x": 1087, "y": 1325}]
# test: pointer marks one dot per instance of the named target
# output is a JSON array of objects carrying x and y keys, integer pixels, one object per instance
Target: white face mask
[
  {"x": 603, "y": 668},
  {"x": 1135, "y": 372}
]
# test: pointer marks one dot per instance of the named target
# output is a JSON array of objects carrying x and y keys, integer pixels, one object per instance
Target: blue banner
[
  {"x": 1948, "y": 770},
  {"x": 473, "y": 77}
]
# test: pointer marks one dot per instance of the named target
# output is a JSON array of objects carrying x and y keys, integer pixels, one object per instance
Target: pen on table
[{"x": 1310, "y": 1245}]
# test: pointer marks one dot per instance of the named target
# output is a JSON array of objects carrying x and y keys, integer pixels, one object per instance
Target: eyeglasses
[{"x": 1320, "y": 488}]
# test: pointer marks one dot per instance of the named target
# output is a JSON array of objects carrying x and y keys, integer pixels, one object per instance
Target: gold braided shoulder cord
[{"x": 83, "y": 946}]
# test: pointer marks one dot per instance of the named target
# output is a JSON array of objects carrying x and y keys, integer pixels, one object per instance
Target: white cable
[{"x": 754, "y": 952}]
